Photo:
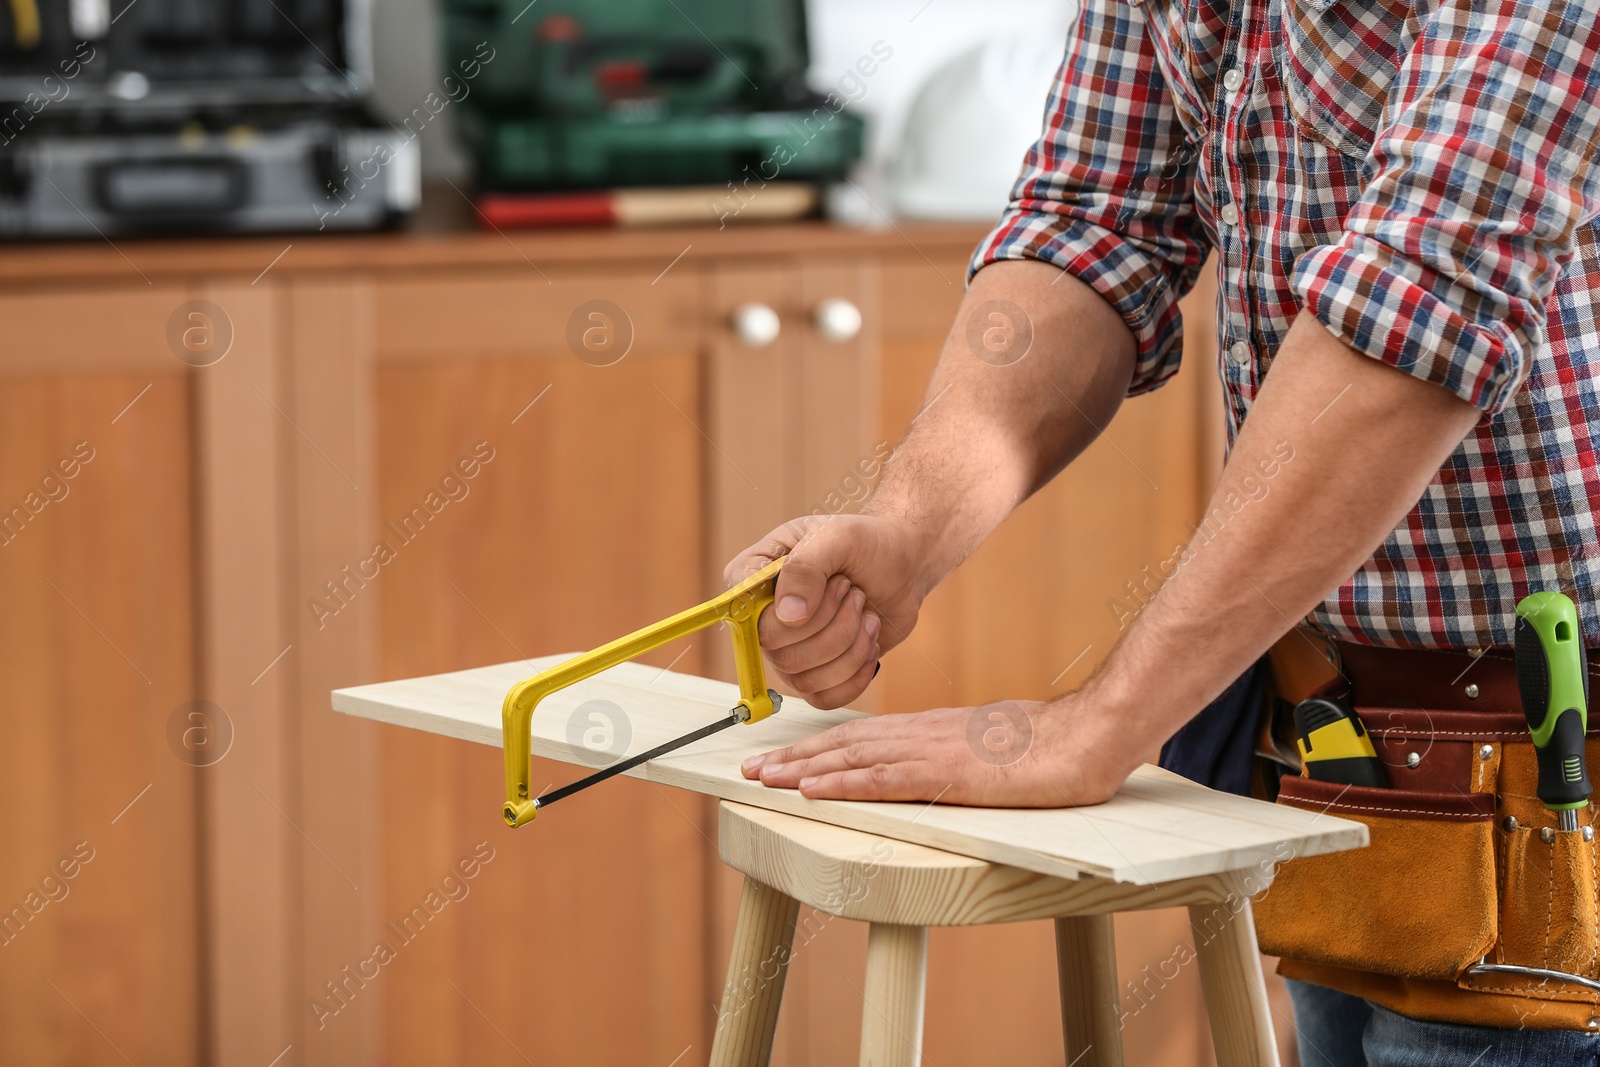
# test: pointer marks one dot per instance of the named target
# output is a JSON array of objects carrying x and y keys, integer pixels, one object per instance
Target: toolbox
[{"x": 227, "y": 116}]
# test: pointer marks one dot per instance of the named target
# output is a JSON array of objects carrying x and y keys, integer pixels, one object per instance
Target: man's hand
[
  {"x": 1015, "y": 754},
  {"x": 850, "y": 591}
]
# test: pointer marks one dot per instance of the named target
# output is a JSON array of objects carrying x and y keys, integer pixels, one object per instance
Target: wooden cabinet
[{"x": 423, "y": 455}]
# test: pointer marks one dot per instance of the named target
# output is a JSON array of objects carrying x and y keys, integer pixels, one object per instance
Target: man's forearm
[
  {"x": 993, "y": 427},
  {"x": 1366, "y": 441}
]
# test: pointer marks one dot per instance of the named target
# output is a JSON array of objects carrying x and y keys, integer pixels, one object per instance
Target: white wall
[{"x": 924, "y": 35}]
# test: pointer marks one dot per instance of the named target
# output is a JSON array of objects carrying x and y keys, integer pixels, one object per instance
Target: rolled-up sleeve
[
  {"x": 1475, "y": 188},
  {"x": 1107, "y": 192}
]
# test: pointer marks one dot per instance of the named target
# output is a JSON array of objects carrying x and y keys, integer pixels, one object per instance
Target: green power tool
[
  {"x": 1553, "y": 677},
  {"x": 591, "y": 94}
]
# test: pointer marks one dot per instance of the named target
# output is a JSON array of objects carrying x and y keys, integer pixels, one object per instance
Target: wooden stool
[{"x": 902, "y": 889}]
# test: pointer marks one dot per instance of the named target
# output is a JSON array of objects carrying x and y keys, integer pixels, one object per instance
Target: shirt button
[
  {"x": 1233, "y": 80},
  {"x": 1230, "y": 214},
  {"x": 1239, "y": 352}
]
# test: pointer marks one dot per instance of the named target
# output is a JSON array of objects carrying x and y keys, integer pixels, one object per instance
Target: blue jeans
[{"x": 1335, "y": 1029}]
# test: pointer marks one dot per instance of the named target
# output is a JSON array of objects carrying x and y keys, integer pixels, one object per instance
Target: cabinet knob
[
  {"x": 756, "y": 324},
  {"x": 837, "y": 319}
]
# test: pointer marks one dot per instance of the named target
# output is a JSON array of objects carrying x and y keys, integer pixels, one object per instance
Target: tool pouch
[
  {"x": 1447, "y": 882},
  {"x": 1549, "y": 909}
]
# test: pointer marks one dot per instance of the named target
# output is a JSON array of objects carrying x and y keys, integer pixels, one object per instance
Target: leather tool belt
[{"x": 1465, "y": 872}]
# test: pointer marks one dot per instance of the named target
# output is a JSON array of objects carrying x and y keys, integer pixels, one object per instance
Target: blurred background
[{"x": 275, "y": 275}]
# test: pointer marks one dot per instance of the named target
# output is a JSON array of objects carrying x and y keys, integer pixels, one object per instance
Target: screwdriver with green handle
[{"x": 1553, "y": 677}]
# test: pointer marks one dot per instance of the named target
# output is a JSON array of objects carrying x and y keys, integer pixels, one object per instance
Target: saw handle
[{"x": 740, "y": 607}]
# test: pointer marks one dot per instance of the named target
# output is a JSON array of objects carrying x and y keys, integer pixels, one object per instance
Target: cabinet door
[
  {"x": 581, "y": 940},
  {"x": 753, "y": 390},
  {"x": 99, "y": 914},
  {"x": 792, "y": 422}
]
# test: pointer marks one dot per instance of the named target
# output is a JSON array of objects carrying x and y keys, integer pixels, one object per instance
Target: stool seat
[
  {"x": 861, "y": 876},
  {"x": 901, "y": 889}
]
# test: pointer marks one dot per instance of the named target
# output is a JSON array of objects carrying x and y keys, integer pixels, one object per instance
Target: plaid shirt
[{"x": 1417, "y": 176}]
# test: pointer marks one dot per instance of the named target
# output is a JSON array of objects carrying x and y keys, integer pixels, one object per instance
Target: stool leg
[
  {"x": 1086, "y": 960},
  {"x": 1236, "y": 994},
  {"x": 758, "y": 965},
  {"x": 891, "y": 1018}
]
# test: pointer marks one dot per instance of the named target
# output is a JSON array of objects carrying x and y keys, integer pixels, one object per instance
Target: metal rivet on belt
[
  {"x": 1548, "y": 835},
  {"x": 1486, "y": 752},
  {"x": 1412, "y": 759},
  {"x": 1510, "y": 824},
  {"x": 1593, "y": 1024},
  {"x": 1588, "y": 833},
  {"x": 1472, "y": 691}
]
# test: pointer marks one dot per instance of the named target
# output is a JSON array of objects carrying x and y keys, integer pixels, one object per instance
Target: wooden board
[{"x": 1157, "y": 828}]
